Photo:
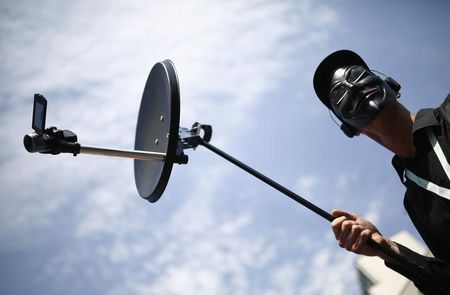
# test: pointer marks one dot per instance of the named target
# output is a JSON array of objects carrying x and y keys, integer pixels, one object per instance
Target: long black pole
[
  {"x": 414, "y": 270},
  {"x": 270, "y": 182}
]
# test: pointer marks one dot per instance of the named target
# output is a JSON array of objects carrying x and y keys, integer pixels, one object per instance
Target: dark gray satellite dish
[
  {"x": 157, "y": 130},
  {"x": 160, "y": 143}
]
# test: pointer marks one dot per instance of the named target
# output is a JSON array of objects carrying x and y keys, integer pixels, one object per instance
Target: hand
[{"x": 352, "y": 233}]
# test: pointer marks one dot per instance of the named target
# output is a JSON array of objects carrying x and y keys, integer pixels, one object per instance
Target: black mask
[{"x": 357, "y": 95}]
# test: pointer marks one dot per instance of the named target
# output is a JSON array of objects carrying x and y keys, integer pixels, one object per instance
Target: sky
[{"x": 78, "y": 225}]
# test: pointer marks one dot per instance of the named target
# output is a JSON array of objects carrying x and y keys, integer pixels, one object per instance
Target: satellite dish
[{"x": 157, "y": 130}]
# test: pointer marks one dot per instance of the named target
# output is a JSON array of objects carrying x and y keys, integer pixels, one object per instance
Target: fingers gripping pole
[{"x": 413, "y": 269}]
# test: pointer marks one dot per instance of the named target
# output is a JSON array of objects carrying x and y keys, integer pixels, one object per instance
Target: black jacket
[{"x": 428, "y": 205}]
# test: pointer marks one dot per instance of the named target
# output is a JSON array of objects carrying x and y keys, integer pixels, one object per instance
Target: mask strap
[
  {"x": 347, "y": 129},
  {"x": 378, "y": 72},
  {"x": 332, "y": 118},
  {"x": 391, "y": 82}
]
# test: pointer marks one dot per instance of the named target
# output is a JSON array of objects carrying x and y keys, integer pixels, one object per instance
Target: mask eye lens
[
  {"x": 337, "y": 93},
  {"x": 356, "y": 73}
]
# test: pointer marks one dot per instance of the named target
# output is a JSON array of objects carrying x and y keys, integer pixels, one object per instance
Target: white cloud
[
  {"x": 331, "y": 272},
  {"x": 192, "y": 251},
  {"x": 285, "y": 278},
  {"x": 345, "y": 180},
  {"x": 91, "y": 58},
  {"x": 306, "y": 184},
  {"x": 374, "y": 211},
  {"x": 225, "y": 67}
]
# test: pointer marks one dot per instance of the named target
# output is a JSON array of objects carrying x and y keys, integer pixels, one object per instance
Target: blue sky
[{"x": 77, "y": 225}]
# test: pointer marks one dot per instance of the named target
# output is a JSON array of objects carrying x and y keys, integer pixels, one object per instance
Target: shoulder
[
  {"x": 433, "y": 116},
  {"x": 444, "y": 109}
]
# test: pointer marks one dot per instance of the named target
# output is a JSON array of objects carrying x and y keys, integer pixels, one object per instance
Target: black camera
[{"x": 50, "y": 140}]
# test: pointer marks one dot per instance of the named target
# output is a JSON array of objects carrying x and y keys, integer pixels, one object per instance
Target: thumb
[{"x": 339, "y": 213}]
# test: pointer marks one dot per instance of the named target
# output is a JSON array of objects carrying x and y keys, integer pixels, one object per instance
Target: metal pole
[
  {"x": 139, "y": 155},
  {"x": 413, "y": 269}
]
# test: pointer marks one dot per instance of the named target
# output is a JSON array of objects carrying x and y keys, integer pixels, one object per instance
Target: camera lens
[{"x": 36, "y": 143}]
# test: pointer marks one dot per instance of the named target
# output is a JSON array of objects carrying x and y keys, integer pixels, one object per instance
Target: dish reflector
[{"x": 157, "y": 129}]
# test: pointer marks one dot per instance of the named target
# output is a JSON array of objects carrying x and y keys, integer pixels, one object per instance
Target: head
[
  {"x": 364, "y": 102},
  {"x": 355, "y": 94}
]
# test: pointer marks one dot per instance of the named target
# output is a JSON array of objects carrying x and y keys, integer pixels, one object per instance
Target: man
[{"x": 367, "y": 104}]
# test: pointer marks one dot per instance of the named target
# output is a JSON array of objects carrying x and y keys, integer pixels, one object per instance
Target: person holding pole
[{"x": 367, "y": 104}]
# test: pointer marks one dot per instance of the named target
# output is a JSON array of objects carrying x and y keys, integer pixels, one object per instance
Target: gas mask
[{"x": 357, "y": 96}]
